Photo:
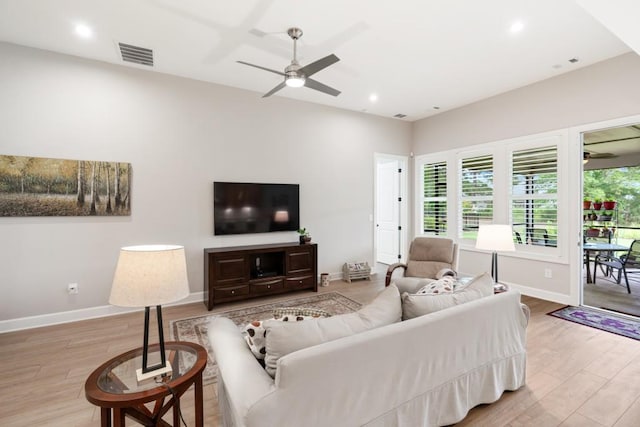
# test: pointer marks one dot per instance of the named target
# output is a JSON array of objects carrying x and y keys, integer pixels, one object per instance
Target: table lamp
[
  {"x": 495, "y": 237},
  {"x": 146, "y": 276}
]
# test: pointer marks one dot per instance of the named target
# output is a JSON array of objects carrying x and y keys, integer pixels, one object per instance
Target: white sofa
[{"x": 426, "y": 371}]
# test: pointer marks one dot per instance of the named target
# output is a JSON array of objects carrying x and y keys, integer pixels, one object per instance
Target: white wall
[
  {"x": 179, "y": 135},
  {"x": 603, "y": 91}
]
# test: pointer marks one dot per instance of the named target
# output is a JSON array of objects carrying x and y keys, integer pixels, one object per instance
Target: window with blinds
[
  {"x": 476, "y": 194},
  {"x": 434, "y": 200},
  {"x": 534, "y": 196}
]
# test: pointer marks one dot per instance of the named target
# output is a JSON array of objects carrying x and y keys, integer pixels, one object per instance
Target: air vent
[
  {"x": 136, "y": 54},
  {"x": 400, "y": 116}
]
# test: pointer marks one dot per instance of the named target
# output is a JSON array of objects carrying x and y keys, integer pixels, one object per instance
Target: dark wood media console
[{"x": 242, "y": 272}]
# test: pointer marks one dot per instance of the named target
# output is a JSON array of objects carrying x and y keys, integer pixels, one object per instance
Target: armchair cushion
[
  {"x": 429, "y": 255},
  {"x": 425, "y": 268}
]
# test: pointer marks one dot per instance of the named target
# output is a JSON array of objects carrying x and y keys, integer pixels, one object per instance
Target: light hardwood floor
[{"x": 576, "y": 376}]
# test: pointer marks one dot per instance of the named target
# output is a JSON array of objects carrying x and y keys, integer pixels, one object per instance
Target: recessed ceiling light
[
  {"x": 516, "y": 27},
  {"x": 84, "y": 31},
  {"x": 373, "y": 97}
]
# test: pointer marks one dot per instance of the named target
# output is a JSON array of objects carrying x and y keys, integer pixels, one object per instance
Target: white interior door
[{"x": 388, "y": 211}]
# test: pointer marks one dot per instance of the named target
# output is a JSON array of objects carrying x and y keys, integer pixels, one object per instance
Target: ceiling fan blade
[
  {"x": 320, "y": 64},
  {"x": 593, "y": 155},
  {"x": 262, "y": 68},
  {"x": 274, "y": 90},
  {"x": 603, "y": 155},
  {"x": 314, "y": 84}
]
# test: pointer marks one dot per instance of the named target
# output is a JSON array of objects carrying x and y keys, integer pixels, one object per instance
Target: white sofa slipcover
[{"x": 426, "y": 371}]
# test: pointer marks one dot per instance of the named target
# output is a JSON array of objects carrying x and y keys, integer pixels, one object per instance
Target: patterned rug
[
  {"x": 609, "y": 322},
  {"x": 194, "y": 329}
]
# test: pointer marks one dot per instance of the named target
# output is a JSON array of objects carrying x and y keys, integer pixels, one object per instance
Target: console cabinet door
[
  {"x": 229, "y": 271},
  {"x": 300, "y": 260}
]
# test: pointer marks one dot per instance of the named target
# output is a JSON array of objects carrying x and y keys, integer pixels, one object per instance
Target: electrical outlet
[
  {"x": 548, "y": 273},
  {"x": 72, "y": 288}
]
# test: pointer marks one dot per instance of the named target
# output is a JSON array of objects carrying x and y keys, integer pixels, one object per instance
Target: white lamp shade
[
  {"x": 495, "y": 237},
  {"x": 149, "y": 275}
]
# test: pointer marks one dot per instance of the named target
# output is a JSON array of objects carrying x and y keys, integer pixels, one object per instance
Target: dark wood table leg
[
  {"x": 118, "y": 417},
  {"x": 176, "y": 411},
  {"x": 105, "y": 417},
  {"x": 198, "y": 403},
  {"x": 588, "y": 262}
]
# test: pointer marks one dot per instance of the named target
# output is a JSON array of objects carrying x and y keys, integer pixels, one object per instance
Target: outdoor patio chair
[{"x": 628, "y": 263}]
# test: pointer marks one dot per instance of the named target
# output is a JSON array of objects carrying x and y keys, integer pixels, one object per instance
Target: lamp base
[{"x": 162, "y": 371}]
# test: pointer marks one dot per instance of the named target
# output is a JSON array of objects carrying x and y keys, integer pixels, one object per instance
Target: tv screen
[{"x": 241, "y": 208}]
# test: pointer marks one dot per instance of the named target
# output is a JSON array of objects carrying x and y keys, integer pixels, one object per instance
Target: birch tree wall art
[{"x": 36, "y": 186}]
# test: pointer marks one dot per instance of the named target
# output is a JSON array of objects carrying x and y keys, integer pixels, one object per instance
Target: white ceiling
[{"x": 414, "y": 54}]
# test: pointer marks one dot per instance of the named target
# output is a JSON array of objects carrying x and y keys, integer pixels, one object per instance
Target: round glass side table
[{"x": 114, "y": 387}]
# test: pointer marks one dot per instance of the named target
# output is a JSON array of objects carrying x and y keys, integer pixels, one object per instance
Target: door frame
[
  {"x": 404, "y": 204},
  {"x": 575, "y": 140}
]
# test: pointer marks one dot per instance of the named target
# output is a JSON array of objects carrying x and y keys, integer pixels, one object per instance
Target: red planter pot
[
  {"x": 597, "y": 206},
  {"x": 586, "y": 204},
  {"x": 609, "y": 205}
]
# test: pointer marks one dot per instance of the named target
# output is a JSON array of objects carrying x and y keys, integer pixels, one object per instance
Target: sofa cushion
[
  {"x": 414, "y": 305},
  {"x": 410, "y": 284},
  {"x": 283, "y": 338}
]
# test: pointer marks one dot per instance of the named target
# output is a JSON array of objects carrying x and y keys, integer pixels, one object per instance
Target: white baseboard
[
  {"x": 542, "y": 294},
  {"x": 95, "y": 312},
  {"x": 81, "y": 314}
]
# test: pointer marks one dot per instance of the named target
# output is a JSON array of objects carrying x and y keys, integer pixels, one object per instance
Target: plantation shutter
[
  {"x": 434, "y": 202},
  {"x": 534, "y": 196},
  {"x": 476, "y": 195}
]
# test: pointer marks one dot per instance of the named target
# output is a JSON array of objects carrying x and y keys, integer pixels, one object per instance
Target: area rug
[
  {"x": 194, "y": 329},
  {"x": 609, "y": 322}
]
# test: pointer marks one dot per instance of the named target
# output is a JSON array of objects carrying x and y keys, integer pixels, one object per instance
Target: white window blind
[
  {"x": 476, "y": 195},
  {"x": 434, "y": 200},
  {"x": 534, "y": 196}
]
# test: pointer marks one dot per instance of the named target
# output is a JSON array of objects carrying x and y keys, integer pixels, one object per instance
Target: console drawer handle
[
  {"x": 233, "y": 292},
  {"x": 268, "y": 286}
]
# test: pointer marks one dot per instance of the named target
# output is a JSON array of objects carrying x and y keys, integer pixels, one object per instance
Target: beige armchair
[{"x": 428, "y": 256}]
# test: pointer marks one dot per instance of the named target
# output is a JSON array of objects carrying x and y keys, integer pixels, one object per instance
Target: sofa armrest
[
  {"x": 245, "y": 381},
  {"x": 391, "y": 269},
  {"x": 526, "y": 311}
]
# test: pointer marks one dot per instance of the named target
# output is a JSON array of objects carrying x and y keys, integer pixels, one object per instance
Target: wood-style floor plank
[{"x": 576, "y": 376}]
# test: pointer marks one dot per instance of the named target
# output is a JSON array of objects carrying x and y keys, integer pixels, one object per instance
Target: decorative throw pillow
[
  {"x": 299, "y": 311},
  {"x": 414, "y": 305},
  {"x": 444, "y": 285},
  {"x": 286, "y": 337},
  {"x": 254, "y": 335},
  {"x": 254, "y": 332}
]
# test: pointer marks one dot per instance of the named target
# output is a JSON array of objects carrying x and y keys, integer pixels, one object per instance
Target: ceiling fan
[
  {"x": 588, "y": 155},
  {"x": 297, "y": 76}
]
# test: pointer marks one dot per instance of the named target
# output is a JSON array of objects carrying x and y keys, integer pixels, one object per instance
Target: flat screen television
[{"x": 241, "y": 208}]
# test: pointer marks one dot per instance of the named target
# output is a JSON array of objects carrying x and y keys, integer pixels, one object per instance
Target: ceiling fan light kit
[{"x": 297, "y": 76}]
